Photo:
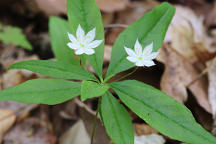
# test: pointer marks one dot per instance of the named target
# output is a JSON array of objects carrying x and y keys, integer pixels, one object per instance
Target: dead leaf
[
  {"x": 29, "y": 131},
  {"x": 149, "y": 139},
  {"x": 107, "y": 18},
  {"x": 179, "y": 72},
  {"x": 56, "y": 7},
  {"x": 210, "y": 20},
  {"x": 52, "y": 6},
  {"x": 212, "y": 84},
  {"x": 128, "y": 16},
  {"x": 77, "y": 134},
  {"x": 110, "y": 6},
  {"x": 87, "y": 115},
  {"x": 143, "y": 129},
  {"x": 212, "y": 90},
  {"x": 107, "y": 53},
  {"x": 7, "y": 119},
  {"x": 190, "y": 47},
  {"x": 188, "y": 36}
]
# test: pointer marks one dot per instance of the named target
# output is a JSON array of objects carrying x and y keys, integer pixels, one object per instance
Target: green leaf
[
  {"x": 14, "y": 35},
  {"x": 55, "y": 69},
  {"x": 87, "y": 14},
  {"x": 90, "y": 89},
  {"x": 162, "y": 112},
  {"x": 58, "y": 29},
  {"x": 42, "y": 91},
  {"x": 150, "y": 28},
  {"x": 116, "y": 120}
]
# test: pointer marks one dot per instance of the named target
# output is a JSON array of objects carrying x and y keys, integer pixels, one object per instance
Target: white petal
[
  {"x": 138, "y": 48},
  {"x": 148, "y": 63},
  {"x": 130, "y": 52},
  {"x": 94, "y": 44},
  {"x": 139, "y": 63},
  {"x": 151, "y": 56},
  {"x": 89, "y": 51},
  {"x": 72, "y": 38},
  {"x": 80, "y": 34},
  {"x": 132, "y": 59},
  {"x": 90, "y": 36},
  {"x": 148, "y": 49},
  {"x": 79, "y": 51},
  {"x": 73, "y": 46}
]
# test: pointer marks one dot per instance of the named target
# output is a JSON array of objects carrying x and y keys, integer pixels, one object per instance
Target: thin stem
[
  {"x": 116, "y": 26},
  {"x": 95, "y": 121},
  {"x": 127, "y": 74}
]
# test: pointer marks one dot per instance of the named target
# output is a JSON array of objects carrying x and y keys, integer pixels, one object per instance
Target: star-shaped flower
[
  {"x": 141, "y": 57},
  {"x": 83, "y": 44}
]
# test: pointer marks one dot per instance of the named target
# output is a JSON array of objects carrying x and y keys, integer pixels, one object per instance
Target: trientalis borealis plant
[{"x": 81, "y": 39}]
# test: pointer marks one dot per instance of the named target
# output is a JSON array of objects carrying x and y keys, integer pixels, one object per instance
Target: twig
[
  {"x": 81, "y": 104},
  {"x": 198, "y": 77},
  {"x": 116, "y": 26}
]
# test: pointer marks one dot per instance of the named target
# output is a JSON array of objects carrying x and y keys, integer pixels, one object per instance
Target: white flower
[
  {"x": 83, "y": 43},
  {"x": 141, "y": 57}
]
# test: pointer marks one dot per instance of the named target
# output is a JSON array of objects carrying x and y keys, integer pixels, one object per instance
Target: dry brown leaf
[
  {"x": 143, "y": 129},
  {"x": 211, "y": 17},
  {"x": 7, "y": 119},
  {"x": 190, "y": 48},
  {"x": 112, "y": 5},
  {"x": 29, "y": 131},
  {"x": 212, "y": 90},
  {"x": 188, "y": 36},
  {"x": 77, "y": 134},
  {"x": 87, "y": 115},
  {"x": 57, "y": 7},
  {"x": 52, "y": 6},
  {"x": 179, "y": 72},
  {"x": 107, "y": 53},
  {"x": 107, "y": 18},
  {"x": 212, "y": 84},
  {"x": 149, "y": 139},
  {"x": 128, "y": 16},
  {"x": 12, "y": 54},
  {"x": 135, "y": 11}
]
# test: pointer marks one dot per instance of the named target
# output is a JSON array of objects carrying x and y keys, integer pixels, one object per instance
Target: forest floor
[{"x": 185, "y": 69}]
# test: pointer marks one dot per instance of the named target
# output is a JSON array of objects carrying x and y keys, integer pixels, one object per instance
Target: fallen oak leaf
[
  {"x": 126, "y": 17},
  {"x": 143, "y": 129},
  {"x": 77, "y": 134},
  {"x": 110, "y": 6},
  {"x": 29, "y": 131},
  {"x": 7, "y": 119},
  {"x": 188, "y": 36},
  {"x": 211, "y": 65},
  {"x": 179, "y": 72},
  {"x": 149, "y": 139}
]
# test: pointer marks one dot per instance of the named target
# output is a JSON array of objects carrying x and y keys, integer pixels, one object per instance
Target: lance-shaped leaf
[
  {"x": 42, "y": 91},
  {"x": 55, "y": 69},
  {"x": 15, "y": 36},
  {"x": 90, "y": 89},
  {"x": 150, "y": 28},
  {"x": 162, "y": 112},
  {"x": 116, "y": 120},
  {"x": 58, "y": 29},
  {"x": 87, "y": 14}
]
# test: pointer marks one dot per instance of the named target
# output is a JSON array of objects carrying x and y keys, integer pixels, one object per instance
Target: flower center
[
  {"x": 140, "y": 58},
  {"x": 82, "y": 45}
]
